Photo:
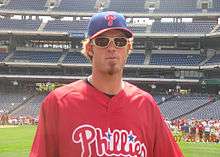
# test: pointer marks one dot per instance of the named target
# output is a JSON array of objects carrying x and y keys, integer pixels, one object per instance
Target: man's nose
[{"x": 111, "y": 45}]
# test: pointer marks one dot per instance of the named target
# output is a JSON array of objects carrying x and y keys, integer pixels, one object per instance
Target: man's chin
[{"x": 113, "y": 71}]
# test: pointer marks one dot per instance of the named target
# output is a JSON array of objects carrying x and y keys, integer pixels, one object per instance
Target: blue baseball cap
[{"x": 104, "y": 21}]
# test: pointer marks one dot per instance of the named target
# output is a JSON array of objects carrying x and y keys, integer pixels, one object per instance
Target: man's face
[{"x": 110, "y": 59}]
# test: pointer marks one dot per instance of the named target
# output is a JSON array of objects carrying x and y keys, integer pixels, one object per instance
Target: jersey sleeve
[
  {"x": 45, "y": 143},
  {"x": 164, "y": 144}
]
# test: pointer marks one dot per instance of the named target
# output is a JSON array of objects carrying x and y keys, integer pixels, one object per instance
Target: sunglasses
[{"x": 104, "y": 42}]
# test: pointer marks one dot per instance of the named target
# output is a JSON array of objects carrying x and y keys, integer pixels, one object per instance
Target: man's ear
[
  {"x": 89, "y": 49},
  {"x": 130, "y": 47}
]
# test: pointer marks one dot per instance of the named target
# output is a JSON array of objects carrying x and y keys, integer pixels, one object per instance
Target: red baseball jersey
[{"x": 77, "y": 120}]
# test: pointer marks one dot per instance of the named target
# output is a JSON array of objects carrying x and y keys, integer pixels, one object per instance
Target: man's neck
[{"x": 111, "y": 85}]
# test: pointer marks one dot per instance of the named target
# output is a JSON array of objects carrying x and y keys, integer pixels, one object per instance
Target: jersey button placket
[{"x": 108, "y": 108}]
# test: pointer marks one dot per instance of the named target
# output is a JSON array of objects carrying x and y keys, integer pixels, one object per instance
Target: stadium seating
[
  {"x": 70, "y": 58},
  {"x": 10, "y": 99},
  {"x": 207, "y": 112},
  {"x": 18, "y": 25},
  {"x": 177, "y": 6},
  {"x": 131, "y": 6},
  {"x": 136, "y": 58},
  {"x": 215, "y": 6},
  {"x": 37, "y": 57},
  {"x": 214, "y": 60},
  {"x": 160, "y": 98},
  {"x": 182, "y": 104},
  {"x": 75, "y": 57},
  {"x": 32, "y": 107},
  {"x": 187, "y": 27},
  {"x": 176, "y": 59},
  {"x": 26, "y": 5},
  {"x": 2, "y": 56},
  {"x": 77, "y": 6},
  {"x": 66, "y": 26}
]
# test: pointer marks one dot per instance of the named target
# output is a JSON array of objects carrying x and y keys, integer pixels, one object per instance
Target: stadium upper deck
[
  {"x": 132, "y": 7},
  {"x": 204, "y": 21},
  {"x": 24, "y": 5},
  {"x": 191, "y": 36},
  {"x": 198, "y": 28}
]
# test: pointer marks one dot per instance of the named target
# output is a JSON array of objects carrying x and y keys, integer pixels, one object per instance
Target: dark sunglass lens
[
  {"x": 120, "y": 42},
  {"x": 102, "y": 42}
]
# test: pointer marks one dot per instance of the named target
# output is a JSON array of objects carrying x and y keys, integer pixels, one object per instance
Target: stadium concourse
[{"x": 176, "y": 56}]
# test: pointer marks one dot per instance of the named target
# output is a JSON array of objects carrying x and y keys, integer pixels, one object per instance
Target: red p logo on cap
[{"x": 110, "y": 18}]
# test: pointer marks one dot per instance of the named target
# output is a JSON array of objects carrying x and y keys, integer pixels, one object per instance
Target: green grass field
[{"x": 16, "y": 142}]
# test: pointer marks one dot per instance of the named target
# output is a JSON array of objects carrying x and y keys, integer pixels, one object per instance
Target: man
[
  {"x": 200, "y": 129},
  {"x": 103, "y": 115},
  {"x": 207, "y": 130},
  {"x": 192, "y": 131}
]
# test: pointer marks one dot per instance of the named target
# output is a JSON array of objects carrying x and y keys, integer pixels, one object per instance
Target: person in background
[{"x": 207, "y": 130}]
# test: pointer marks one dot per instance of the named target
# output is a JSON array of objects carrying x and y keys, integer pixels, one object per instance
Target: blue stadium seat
[
  {"x": 193, "y": 27},
  {"x": 207, "y": 112},
  {"x": 66, "y": 26},
  {"x": 181, "y": 105},
  {"x": 136, "y": 58},
  {"x": 10, "y": 99},
  {"x": 214, "y": 60},
  {"x": 176, "y": 59},
  {"x": 215, "y": 6},
  {"x": 75, "y": 57},
  {"x": 24, "y": 25},
  {"x": 177, "y": 6},
  {"x": 26, "y": 5},
  {"x": 131, "y": 6},
  {"x": 77, "y": 6},
  {"x": 36, "y": 57},
  {"x": 3, "y": 56},
  {"x": 159, "y": 98},
  {"x": 32, "y": 107}
]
